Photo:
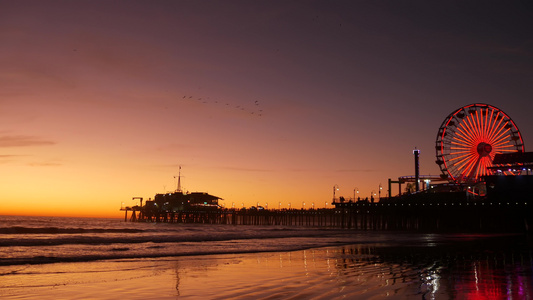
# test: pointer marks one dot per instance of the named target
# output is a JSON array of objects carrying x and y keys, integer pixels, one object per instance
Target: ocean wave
[
  {"x": 114, "y": 252},
  {"x": 58, "y": 230},
  {"x": 138, "y": 237}
]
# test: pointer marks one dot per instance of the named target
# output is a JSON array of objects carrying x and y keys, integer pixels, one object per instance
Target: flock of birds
[{"x": 253, "y": 109}]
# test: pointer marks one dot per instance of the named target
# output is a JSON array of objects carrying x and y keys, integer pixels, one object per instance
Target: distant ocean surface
[
  {"x": 38, "y": 240},
  {"x": 461, "y": 266}
]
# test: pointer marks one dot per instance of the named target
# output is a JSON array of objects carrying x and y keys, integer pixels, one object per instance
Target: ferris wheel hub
[{"x": 484, "y": 149}]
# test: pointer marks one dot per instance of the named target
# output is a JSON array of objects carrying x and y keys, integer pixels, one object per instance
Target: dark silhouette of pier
[{"x": 414, "y": 215}]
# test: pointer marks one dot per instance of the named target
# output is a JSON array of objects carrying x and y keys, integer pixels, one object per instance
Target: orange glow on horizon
[{"x": 104, "y": 103}]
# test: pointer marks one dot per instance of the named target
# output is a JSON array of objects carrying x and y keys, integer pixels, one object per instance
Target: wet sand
[
  {"x": 324, "y": 273},
  {"x": 470, "y": 267}
]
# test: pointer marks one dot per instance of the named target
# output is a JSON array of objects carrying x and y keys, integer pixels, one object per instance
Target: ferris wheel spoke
[
  {"x": 500, "y": 135},
  {"x": 503, "y": 144},
  {"x": 488, "y": 120},
  {"x": 461, "y": 136},
  {"x": 472, "y": 165},
  {"x": 498, "y": 127},
  {"x": 477, "y": 123},
  {"x": 461, "y": 148},
  {"x": 459, "y": 157},
  {"x": 486, "y": 124},
  {"x": 469, "y": 128},
  {"x": 492, "y": 122},
  {"x": 507, "y": 150},
  {"x": 464, "y": 139},
  {"x": 487, "y": 162},
  {"x": 467, "y": 134},
  {"x": 479, "y": 168},
  {"x": 464, "y": 162},
  {"x": 460, "y": 164}
]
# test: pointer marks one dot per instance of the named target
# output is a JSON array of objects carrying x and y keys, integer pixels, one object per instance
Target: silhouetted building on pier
[{"x": 170, "y": 203}]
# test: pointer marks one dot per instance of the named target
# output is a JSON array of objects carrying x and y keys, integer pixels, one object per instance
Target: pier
[{"x": 438, "y": 216}]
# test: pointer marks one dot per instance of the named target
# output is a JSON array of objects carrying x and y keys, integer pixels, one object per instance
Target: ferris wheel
[{"x": 469, "y": 138}]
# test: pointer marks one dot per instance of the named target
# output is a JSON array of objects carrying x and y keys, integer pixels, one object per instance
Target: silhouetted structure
[
  {"x": 167, "y": 204},
  {"x": 513, "y": 162}
]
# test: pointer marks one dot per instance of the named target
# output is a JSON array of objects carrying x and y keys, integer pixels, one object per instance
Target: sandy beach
[
  {"x": 324, "y": 273},
  {"x": 461, "y": 267}
]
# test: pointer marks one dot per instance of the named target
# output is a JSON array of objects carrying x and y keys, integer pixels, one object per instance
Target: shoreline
[
  {"x": 460, "y": 268},
  {"x": 302, "y": 273}
]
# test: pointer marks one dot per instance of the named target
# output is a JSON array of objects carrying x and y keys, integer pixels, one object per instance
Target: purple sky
[{"x": 259, "y": 101}]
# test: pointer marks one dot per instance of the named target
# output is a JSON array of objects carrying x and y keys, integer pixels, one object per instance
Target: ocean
[{"x": 65, "y": 258}]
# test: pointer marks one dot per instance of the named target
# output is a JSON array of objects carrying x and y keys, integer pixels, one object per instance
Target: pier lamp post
[
  {"x": 356, "y": 190},
  {"x": 243, "y": 205},
  {"x": 232, "y": 204},
  {"x": 303, "y": 205},
  {"x": 313, "y": 205},
  {"x": 380, "y": 188},
  {"x": 335, "y": 188},
  {"x": 279, "y": 206}
]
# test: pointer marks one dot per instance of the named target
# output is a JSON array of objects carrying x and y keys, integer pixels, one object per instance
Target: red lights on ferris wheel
[{"x": 469, "y": 138}]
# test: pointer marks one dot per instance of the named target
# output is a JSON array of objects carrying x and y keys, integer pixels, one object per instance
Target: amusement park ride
[
  {"x": 471, "y": 137},
  {"x": 473, "y": 143}
]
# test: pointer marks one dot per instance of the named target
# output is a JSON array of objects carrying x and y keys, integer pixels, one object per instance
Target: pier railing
[{"x": 503, "y": 216}]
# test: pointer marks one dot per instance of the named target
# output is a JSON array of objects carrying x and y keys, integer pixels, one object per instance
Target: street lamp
[
  {"x": 303, "y": 205},
  {"x": 356, "y": 190},
  {"x": 380, "y": 187},
  {"x": 289, "y": 206},
  {"x": 313, "y": 205}
]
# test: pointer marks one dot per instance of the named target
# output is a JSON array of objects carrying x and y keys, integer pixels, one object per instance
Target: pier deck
[{"x": 508, "y": 216}]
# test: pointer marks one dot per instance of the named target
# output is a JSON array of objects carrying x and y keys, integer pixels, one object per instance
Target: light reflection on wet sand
[{"x": 369, "y": 271}]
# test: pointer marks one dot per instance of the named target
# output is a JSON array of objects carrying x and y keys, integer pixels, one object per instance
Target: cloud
[
  {"x": 245, "y": 169},
  {"x": 23, "y": 141},
  {"x": 356, "y": 171},
  {"x": 8, "y": 158},
  {"x": 45, "y": 164}
]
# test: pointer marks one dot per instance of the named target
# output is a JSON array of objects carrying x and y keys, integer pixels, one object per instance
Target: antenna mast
[{"x": 179, "y": 180}]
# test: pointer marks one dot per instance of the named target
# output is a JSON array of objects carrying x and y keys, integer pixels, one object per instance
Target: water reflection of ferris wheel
[{"x": 469, "y": 138}]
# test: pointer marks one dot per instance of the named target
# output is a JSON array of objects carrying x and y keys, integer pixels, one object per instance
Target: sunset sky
[{"x": 258, "y": 101}]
